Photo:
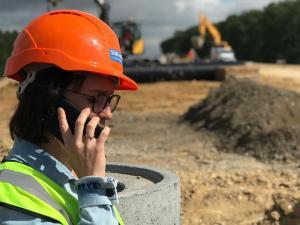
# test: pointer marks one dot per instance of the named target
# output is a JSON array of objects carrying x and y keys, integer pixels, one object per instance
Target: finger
[
  {"x": 79, "y": 124},
  {"x": 63, "y": 124},
  {"x": 103, "y": 136},
  {"x": 91, "y": 126}
]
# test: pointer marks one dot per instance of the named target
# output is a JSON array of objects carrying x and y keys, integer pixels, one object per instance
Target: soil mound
[{"x": 250, "y": 118}]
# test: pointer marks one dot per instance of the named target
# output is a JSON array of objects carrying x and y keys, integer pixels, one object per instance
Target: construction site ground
[{"x": 217, "y": 187}]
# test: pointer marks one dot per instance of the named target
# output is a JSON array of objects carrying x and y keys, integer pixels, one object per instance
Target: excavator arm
[
  {"x": 221, "y": 50},
  {"x": 104, "y": 10},
  {"x": 204, "y": 24}
]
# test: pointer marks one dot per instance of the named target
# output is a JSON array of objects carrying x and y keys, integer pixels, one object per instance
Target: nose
[{"x": 106, "y": 113}]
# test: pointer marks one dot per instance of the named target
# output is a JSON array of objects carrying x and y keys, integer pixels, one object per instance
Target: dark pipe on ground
[{"x": 154, "y": 73}]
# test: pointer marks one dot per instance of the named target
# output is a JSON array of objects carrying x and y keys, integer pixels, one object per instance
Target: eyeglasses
[{"x": 100, "y": 101}]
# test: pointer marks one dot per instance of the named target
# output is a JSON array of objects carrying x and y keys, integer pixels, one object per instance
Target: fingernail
[
  {"x": 59, "y": 109},
  {"x": 86, "y": 110}
]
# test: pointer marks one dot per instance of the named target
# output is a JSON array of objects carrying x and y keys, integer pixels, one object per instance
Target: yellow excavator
[
  {"x": 130, "y": 37},
  {"x": 129, "y": 32},
  {"x": 221, "y": 50}
]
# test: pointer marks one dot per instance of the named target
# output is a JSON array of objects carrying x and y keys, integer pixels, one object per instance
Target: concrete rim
[{"x": 160, "y": 178}]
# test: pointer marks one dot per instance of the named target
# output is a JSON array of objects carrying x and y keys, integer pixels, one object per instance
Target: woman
[{"x": 68, "y": 64}]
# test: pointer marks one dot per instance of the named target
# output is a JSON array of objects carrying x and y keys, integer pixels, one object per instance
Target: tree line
[{"x": 260, "y": 35}]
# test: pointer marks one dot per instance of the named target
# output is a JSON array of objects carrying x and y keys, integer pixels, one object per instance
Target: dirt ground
[{"x": 217, "y": 187}]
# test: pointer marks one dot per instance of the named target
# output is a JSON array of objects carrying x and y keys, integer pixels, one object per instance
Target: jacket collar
[{"x": 34, "y": 156}]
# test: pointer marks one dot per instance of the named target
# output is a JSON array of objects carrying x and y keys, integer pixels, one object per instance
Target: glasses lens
[
  {"x": 114, "y": 100},
  {"x": 100, "y": 103}
]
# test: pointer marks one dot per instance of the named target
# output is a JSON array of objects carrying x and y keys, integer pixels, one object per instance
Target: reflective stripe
[
  {"x": 31, "y": 186},
  {"x": 32, "y": 190},
  {"x": 57, "y": 193},
  {"x": 16, "y": 197},
  {"x": 119, "y": 218}
]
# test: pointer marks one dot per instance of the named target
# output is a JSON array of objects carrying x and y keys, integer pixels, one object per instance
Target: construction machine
[
  {"x": 128, "y": 32},
  {"x": 221, "y": 51},
  {"x": 130, "y": 37}
]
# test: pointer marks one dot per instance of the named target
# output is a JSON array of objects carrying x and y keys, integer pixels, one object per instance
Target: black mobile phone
[{"x": 72, "y": 114}]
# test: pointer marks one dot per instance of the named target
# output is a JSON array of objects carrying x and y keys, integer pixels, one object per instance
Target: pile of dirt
[
  {"x": 286, "y": 210},
  {"x": 252, "y": 119}
]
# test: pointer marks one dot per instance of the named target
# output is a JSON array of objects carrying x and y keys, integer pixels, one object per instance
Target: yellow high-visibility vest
[{"x": 29, "y": 191}]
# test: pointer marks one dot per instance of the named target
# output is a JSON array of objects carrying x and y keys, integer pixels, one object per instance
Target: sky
[{"x": 159, "y": 19}]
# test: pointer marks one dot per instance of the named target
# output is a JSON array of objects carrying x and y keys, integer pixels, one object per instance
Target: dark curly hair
[{"x": 37, "y": 103}]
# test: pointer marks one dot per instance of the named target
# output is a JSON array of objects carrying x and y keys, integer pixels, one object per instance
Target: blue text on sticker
[{"x": 116, "y": 56}]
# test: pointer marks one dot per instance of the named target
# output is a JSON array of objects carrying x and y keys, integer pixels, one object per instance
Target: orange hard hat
[{"x": 72, "y": 40}]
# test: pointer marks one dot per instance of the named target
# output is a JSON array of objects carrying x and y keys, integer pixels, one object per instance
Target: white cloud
[{"x": 195, "y": 4}]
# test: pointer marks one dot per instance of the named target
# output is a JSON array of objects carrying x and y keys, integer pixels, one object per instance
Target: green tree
[
  {"x": 244, "y": 32},
  {"x": 180, "y": 43},
  {"x": 260, "y": 35},
  {"x": 281, "y": 31},
  {"x": 7, "y": 39}
]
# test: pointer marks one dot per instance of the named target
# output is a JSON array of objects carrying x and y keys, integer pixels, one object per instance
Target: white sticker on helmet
[{"x": 116, "y": 56}]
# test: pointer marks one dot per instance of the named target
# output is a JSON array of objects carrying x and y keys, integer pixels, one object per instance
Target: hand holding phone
[
  {"x": 72, "y": 114},
  {"x": 85, "y": 154}
]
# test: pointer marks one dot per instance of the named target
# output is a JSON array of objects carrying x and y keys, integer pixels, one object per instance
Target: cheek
[
  {"x": 84, "y": 104},
  {"x": 79, "y": 103}
]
